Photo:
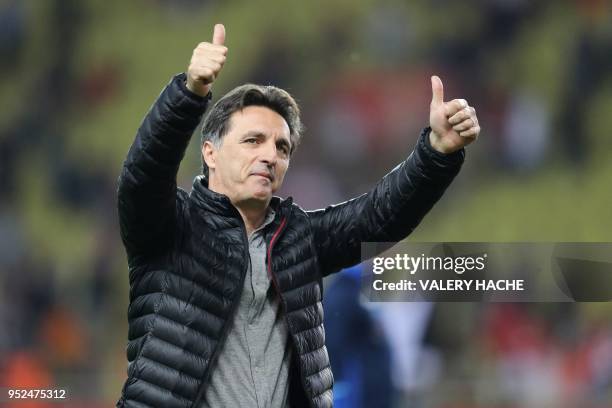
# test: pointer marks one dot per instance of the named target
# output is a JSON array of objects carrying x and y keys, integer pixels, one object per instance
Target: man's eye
[{"x": 251, "y": 140}]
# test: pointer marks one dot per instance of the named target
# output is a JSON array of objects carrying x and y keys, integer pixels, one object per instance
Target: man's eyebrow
[{"x": 251, "y": 133}]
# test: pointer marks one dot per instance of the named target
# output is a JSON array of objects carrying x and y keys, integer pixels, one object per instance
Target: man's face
[{"x": 251, "y": 162}]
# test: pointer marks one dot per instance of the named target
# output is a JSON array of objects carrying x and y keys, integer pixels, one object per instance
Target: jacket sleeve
[
  {"x": 387, "y": 213},
  {"x": 147, "y": 190}
]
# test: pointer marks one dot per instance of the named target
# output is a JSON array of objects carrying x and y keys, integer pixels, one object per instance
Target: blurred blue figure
[{"x": 359, "y": 353}]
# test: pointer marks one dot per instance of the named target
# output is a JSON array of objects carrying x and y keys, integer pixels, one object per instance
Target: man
[{"x": 226, "y": 282}]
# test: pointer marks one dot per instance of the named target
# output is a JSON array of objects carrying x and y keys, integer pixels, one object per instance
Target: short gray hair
[{"x": 216, "y": 122}]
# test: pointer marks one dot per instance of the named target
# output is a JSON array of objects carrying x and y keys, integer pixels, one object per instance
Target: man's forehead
[{"x": 258, "y": 120}]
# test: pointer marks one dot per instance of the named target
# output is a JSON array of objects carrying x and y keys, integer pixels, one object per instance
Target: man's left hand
[{"x": 453, "y": 124}]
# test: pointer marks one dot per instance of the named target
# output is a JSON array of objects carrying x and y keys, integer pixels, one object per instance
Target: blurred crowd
[{"x": 78, "y": 76}]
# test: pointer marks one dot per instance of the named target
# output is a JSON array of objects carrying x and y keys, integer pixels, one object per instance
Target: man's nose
[{"x": 269, "y": 153}]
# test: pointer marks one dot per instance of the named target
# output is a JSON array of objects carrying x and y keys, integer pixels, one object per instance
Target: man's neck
[
  {"x": 253, "y": 217},
  {"x": 253, "y": 212}
]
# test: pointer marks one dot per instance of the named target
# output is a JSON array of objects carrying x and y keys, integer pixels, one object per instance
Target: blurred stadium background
[{"x": 78, "y": 76}]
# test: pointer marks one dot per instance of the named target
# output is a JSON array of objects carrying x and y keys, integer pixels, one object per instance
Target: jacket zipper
[
  {"x": 226, "y": 329},
  {"x": 272, "y": 242},
  {"x": 280, "y": 295}
]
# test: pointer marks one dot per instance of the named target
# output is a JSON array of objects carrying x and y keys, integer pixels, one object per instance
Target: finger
[
  {"x": 219, "y": 34},
  {"x": 217, "y": 58},
  {"x": 460, "y": 116},
  {"x": 205, "y": 47},
  {"x": 209, "y": 65},
  {"x": 206, "y": 56},
  {"x": 220, "y": 61},
  {"x": 465, "y": 125},
  {"x": 204, "y": 74},
  {"x": 455, "y": 106},
  {"x": 437, "y": 90},
  {"x": 215, "y": 66},
  {"x": 471, "y": 133}
]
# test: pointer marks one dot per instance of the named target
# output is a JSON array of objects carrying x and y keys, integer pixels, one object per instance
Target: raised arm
[
  {"x": 398, "y": 202},
  {"x": 147, "y": 184}
]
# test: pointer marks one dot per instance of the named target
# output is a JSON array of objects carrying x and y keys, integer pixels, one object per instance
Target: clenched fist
[
  {"x": 206, "y": 62},
  {"x": 453, "y": 124}
]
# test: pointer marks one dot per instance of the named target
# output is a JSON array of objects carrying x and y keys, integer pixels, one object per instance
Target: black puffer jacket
[{"x": 188, "y": 257}]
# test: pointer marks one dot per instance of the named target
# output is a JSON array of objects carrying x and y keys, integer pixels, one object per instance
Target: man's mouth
[{"x": 263, "y": 174}]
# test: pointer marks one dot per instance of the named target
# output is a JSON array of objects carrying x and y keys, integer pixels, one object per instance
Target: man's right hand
[{"x": 206, "y": 62}]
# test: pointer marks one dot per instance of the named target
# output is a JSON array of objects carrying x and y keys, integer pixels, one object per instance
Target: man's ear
[{"x": 209, "y": 153}]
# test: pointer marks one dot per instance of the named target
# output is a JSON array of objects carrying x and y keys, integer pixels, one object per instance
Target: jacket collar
[{"x": 220, "y": 204}]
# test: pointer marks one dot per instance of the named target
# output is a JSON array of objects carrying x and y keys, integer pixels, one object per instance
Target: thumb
[
  {"x": 437, "y": 90},
  {"x": 219, "y": 35}
]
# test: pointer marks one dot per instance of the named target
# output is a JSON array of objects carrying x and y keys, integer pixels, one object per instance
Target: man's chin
[
  {"x": 259, "y": 192},
  {"x": 261, "y": 195}
]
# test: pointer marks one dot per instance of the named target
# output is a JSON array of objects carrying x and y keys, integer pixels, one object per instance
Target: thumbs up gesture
[
  {"x": 453, "y": 124},
  {"x": 206, "y": 62}
]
